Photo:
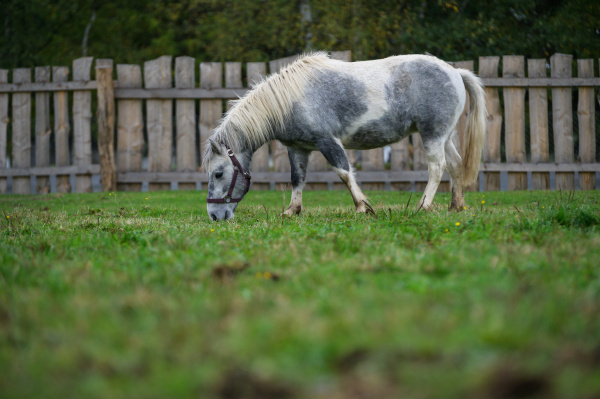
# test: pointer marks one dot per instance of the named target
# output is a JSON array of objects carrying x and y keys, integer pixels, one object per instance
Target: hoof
[
  {"x": 291, "y": 211},
  {"x": 456, "y": 208},
  {"x": 365, "y": 207}
]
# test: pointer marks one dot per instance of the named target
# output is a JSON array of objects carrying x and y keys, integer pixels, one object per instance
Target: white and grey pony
[{"x": 326, "y": 105}]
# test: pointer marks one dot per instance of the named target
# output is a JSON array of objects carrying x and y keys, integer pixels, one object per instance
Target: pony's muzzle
[{"x": 220, "y": 214}]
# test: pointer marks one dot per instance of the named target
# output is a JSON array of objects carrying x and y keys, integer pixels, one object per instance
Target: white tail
[{"x": 473, "y": 139}]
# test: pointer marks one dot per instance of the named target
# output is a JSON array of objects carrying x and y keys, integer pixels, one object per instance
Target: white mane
[{"x": 254, "y": 118}]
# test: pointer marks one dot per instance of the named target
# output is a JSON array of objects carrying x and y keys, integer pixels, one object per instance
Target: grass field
[{"x": 139, "y": 295}]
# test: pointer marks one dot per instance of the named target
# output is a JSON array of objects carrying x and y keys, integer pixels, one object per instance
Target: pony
[{"x": 321, "y": 104}]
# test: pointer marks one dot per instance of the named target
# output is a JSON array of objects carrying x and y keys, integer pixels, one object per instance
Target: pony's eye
[{"x": 218, "y": 175}]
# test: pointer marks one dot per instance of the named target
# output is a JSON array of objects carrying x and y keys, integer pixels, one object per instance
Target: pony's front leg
[
  {"x": 298, "y": 163},
  {"x": 333, "y": 151}
]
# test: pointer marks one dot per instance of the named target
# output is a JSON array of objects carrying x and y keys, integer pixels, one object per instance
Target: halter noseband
[{"x": 237, "y": 168}]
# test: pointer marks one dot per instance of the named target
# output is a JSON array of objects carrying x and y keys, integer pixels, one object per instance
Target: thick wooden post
[
  {"x": 256, "y": 71},
  {"x": 106, "y": 124},
  {"x": 130, "y": 127},
  {"x": 3, "y": 128},
  {"x": 538, "y": 120},
  {"x": 42, "y": 129},
  {"x": 62, "y": 128},
  {"x": 513, "y": 66},
  {"x": 82, "y": 124},
  {"x": 562, "y": 120},
  {"x": 185, "y": 78},
  {"x": 587, "y": 125},
  {"x": 159, "y": 118},
  {"x": 21, "y": 137},
  {"x": 211, "y": 111},
  {"x": 488, "y": 68}
]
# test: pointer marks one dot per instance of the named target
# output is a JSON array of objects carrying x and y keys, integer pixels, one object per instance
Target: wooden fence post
[
  {"x": 106, "y": 124},
  {"x": 82, "y": 124},
  {"x": 130, "y": 127},
  {"x": 42, "y": 129},
  {"x": 256, "y": 71},
  {"x": 21, "y": 134},
  {"x": 513, "y": 66},
  {"x": 562, "y": 120},
  {"x": 3, "y": 128},
  {"x": 185, "y": 78},
  {"x": 159, "y": 119},
  {"x": 211, "y": 111},
  {"x": 587, "y": 125},
  {"x": 538, "y": 121},
  {"x": 488, "y": 68},
  {"x": 61, "y": 128}
]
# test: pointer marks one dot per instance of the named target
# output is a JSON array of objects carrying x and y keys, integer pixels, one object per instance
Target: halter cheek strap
[{"x": 237, "y": 168}]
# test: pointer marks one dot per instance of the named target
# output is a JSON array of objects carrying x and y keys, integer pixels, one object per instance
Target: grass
[{"x": 127, "y": 295}]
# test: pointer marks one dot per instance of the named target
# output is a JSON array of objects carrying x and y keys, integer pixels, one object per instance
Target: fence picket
[
  {"x": 82, "y": 124},
  {"x": 130, "y": 127},
  {"x": 256, "y": 71},
  {"x": 562, "y": 120},
  {"x": 21, "y": 134},
  {"x": 62, "y": 128},
  {"x": 587, "y": 124},
  {"x": 159, "y": 119},
  {"x": 42, "y": 129},
  {"x": 513, "y": 66},
  {"x": 106, "y": 124},
  {"x": 488, "y": 68},
  {"x": 3, "y": 129},
  {"x": 538, "y": 120},
  {"x": 185, "y": 78},
  {"x": 211, "y": 77}
]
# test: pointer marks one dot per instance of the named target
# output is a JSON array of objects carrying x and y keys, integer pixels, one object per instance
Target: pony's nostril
[
  {"x": 213, "y": 216},
  {"x": 226, "y": 215}
]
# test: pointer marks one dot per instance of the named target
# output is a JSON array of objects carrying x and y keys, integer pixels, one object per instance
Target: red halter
[{"x": 237, "y": 168}]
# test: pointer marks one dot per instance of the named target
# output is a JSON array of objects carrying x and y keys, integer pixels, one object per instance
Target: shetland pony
[{"x": 321, "y": 104}]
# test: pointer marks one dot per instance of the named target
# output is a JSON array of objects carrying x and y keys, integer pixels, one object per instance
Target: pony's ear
[{"x": 216, "y": 148}]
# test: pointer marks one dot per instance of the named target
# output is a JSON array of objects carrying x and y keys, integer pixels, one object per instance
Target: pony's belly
[{"x": 369, "y": 139}]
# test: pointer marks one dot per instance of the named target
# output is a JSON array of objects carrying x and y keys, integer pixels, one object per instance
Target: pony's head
[{"x": 228, "y": 179}]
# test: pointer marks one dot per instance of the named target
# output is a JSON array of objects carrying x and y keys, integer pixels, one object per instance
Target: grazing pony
[{"x": 321, "y": 104}]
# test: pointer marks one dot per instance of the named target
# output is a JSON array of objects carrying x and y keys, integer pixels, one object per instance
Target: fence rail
[{"x": 163, "y": 116}]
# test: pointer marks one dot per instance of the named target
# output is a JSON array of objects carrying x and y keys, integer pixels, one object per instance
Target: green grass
[{"x": 139, "y": 295}]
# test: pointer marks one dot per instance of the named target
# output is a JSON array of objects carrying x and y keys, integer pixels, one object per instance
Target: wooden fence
[{"x": 157, "y": 144}]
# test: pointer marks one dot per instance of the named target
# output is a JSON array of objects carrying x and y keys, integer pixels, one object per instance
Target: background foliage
[{"x": 41, "y": 32}]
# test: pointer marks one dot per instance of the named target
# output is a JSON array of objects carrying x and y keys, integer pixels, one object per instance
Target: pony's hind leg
[
  {"x": 436, "y": 163},
  {"x": 454, "y": 161},
  {"x": 334, "y": 152},
  {"x": 298, "y": 163}
]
